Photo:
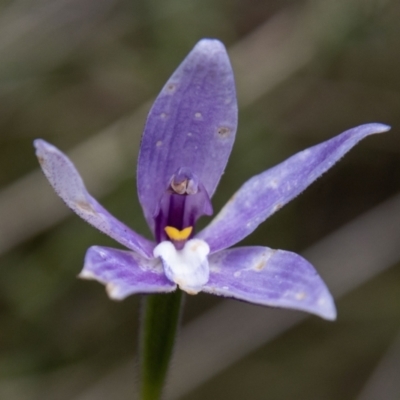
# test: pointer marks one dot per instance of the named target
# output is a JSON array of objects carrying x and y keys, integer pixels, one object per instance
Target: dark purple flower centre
[{"x": 182, "y": 204}]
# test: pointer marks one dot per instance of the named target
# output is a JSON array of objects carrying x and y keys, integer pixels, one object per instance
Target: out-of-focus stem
[{"x": 161, "y": 315}]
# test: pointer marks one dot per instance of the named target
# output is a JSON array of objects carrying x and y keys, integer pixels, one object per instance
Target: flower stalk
[{"x": 160, "y": 319}]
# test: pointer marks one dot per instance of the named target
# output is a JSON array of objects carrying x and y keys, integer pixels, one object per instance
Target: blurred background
[{"x": 82, "y": 74}]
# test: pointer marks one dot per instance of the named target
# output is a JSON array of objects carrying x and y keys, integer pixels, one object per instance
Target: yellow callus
[{"x": 175, "y": 234}]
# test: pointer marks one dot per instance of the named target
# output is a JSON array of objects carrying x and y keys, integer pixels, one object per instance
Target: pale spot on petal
[
  {"x": 261, "y": 262},
  {"x": 223, "y": 131},
  {"x": 85, "y": 207},
  {"x": 215, "y": 269},
  {"x": 301, "y": 295},
  {"x": 171, "y": 87},
  {"x": 273, "y": 184}
]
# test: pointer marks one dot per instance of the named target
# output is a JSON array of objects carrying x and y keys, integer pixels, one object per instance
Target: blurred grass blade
[{"x": 384, "y": 382}]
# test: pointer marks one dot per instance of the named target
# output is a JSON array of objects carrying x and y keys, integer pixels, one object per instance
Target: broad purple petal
[
  {"x": 269, "y": 277},
  {"x": 125, "y": 272},
  {"x": 68, "y": 184},
  {"x": 266, "y": 193},
  {"x": 192, "y": 124}
]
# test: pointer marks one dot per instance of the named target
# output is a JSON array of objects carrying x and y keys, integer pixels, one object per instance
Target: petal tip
[
  {"x": 327, "y": 308},
  {"x": 86, "y": 274},
  {"x": 41, "y": 144},
  {"x": 114, "y": 292},
  {"x": 37, "y": 143},
  {"x": 330, "y": 314},
  {"x": 376, "y": 127},
  {"x": 42, "y": 147},
  {"x": 208, "y": 44}
]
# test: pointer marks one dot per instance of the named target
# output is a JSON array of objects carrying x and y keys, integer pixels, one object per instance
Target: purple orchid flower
[{"x": 186, "y": 143}]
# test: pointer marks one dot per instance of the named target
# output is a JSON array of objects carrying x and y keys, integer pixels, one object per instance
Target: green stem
[{"x": 160, "y": 319}]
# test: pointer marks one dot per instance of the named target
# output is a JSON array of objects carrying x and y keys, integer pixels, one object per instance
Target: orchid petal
[
  {"x": 266, "y": 193},
  {"x": 69, "y": 185},
  {"x": 125, "y": 272},
  {"x": 192, "y": 124},
  {"x": 269, "y": 277},
  {"x": 187, "y": 267}
]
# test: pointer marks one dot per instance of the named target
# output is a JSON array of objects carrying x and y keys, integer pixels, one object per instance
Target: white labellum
[{"x": 188, "y": 267}]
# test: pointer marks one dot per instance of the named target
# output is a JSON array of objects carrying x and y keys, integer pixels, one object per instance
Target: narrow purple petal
[
  {"x": 125, "y": 272},
  {"x": 192, "y": 125},
  {"x": 269, "y": 277},
  {"x": 266, "y": 193},
  {"x": 68, "y": 184}
]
